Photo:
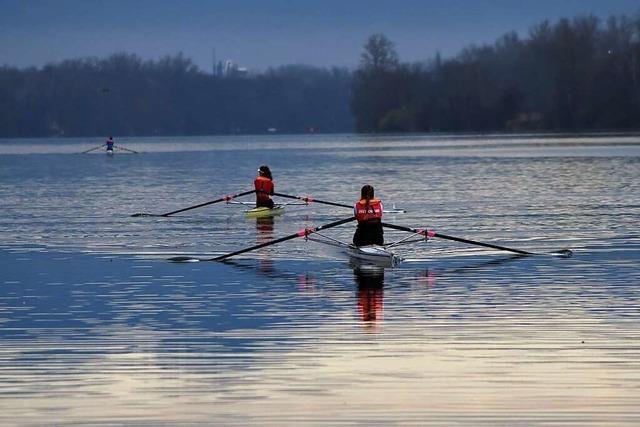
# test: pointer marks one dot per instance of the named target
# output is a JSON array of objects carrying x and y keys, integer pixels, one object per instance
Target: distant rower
[
  {"x": 110, "y": 144},
  {"x": 368, "y": 213},
  {"x": 265, "y": 187}
]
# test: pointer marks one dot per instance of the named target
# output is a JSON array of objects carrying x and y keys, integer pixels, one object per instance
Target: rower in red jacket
[
  {"x": 368, "y": 213},
  {"x": 265, "y": 187}
]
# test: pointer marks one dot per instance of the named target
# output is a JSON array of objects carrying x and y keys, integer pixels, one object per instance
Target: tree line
[
  {"x": 124, "y": 95},
  {"x": 578, "y": 74}
]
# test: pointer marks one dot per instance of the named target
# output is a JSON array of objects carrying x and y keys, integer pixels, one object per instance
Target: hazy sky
[{"x": 263, "y": 33}]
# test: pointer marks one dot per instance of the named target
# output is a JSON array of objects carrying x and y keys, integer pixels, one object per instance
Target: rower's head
[
  {"x": 366, "y": 192},
  {"x": 265, "y": 171}
]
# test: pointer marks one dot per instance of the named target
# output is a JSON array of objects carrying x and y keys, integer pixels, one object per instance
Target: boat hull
[
  {"x": 373, "y": 254},
  {"x": 262, "y": 212}
]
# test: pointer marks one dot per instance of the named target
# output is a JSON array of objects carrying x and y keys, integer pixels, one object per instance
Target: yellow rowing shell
[{"x": 262, "y": 212}]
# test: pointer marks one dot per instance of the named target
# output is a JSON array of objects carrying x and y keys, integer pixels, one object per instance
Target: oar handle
[
  {"x": 309, "y": 199},
  {"x": 431, "y": 233}
]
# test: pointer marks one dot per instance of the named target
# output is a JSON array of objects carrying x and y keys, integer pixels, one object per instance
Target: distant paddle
[
  {"x": 92, "y": 149},
  {"x": 126, "y": 149},
  {"x": 302, "y": 233},
  {"x": 221, "y": 199},
  {"x": 430, "y": 233}
]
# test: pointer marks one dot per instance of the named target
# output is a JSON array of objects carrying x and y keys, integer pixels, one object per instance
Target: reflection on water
[
  {"x": 370, "y": 291},
  {"x": 98, "y": 329},
  {"x": 264, "y": 233}
]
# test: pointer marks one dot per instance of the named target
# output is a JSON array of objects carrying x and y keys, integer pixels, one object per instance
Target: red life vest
[
  {"x": 264, "y": 187},
  {"x": 367, "y": 211}
]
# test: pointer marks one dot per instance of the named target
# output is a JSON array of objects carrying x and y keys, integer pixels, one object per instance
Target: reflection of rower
[
  {"x": 370, "y": 294},
  {"x": 264, "y": 229}
]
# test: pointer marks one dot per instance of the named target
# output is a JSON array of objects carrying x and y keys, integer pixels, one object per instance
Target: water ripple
[{"x": 98, "y": 328}]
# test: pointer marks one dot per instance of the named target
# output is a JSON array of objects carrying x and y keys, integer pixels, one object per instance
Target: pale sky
[{"x": 263, "y": 33}]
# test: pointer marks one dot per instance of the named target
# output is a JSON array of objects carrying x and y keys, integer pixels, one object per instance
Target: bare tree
[{"x": 379, "y": 54}]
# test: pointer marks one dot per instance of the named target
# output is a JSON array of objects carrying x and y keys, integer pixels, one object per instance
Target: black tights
[
  {"x": 368, "y": 233},
  {"x": 264, "y": 203}
]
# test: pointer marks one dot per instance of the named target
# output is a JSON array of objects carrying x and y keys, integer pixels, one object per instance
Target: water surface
[{"x": 98, "y": 328}]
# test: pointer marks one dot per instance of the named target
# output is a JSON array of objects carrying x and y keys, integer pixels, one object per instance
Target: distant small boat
[{"x": 262, "y": 211}]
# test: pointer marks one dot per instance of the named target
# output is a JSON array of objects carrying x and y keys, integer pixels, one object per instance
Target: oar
[
  {"x": 309, "y": 199},
  {"x": 301, "y": 233},
  {"x": 126, "y": 149},
  {"x": 221, "y": 199},
  {"x": 431, "y": 233},
  {"x": 94, "y": 148}
]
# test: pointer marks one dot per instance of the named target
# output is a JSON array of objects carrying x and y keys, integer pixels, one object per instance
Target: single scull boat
[{"x": 263, "y": 212}]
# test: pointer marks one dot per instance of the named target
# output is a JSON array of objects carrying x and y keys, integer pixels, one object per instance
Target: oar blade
[
  {"x": 182, "y": 259},
  {"x": 563, "y": 253},
  {"x": 394, "y": 210}
]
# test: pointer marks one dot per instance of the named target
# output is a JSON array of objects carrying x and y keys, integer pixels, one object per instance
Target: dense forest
[
  {"x": 124, "y": 95},
  {"x": 580, "y": 74}
]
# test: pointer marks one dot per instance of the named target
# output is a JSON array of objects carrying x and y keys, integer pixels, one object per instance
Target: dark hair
[
  {"x": 264, "y": 170},
  {"x": 366, "y": 192}
]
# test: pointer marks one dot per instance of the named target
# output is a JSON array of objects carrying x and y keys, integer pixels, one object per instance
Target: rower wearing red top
[
  {"x": 265, "y": 187},
  {"x": 368, "y": 213},
  {"x": 109, "y": 144}
]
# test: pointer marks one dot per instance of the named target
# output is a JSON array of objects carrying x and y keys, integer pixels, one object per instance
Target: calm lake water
[{"x": 98, "y": 328}]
